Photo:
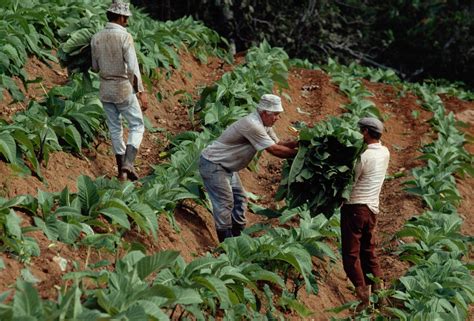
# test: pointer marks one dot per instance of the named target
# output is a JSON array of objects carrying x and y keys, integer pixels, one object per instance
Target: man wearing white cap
[
  {"x": 359, "y": 213},
  {"x": 233, "y": 151},
  {"x": 115, "y": 59}
]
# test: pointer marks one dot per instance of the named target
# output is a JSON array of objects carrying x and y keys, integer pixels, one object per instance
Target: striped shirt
[
  {"x": 369, "y": 176},
  {"x": 114, "y": 57}
]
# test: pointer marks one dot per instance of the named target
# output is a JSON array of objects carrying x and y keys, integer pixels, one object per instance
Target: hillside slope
[{"x": 313, "y": 98}]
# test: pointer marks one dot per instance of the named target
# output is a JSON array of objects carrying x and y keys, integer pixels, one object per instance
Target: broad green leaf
[
  {"x": 68, "y": 233},
  {"x": 187, "y": 296},
  {"x": 26, "y": 302},
  {"x": 49, "y": 227},
  {"x": 70, "y": 304},
  {"x": 151, "y": 309},
  {"x": 73, "y": 137},
  {"x": 13, "y": 224},
  {"x": 158, "y": 261},
  {"x": 267, "y": 276},
  {"x": 198, "y": 264},
  {"x": 8, "y": 147},
  {"x": 217, "y": 287},
  {"x": 87, "y": 193},
  {"x": 117, "y": 216}
]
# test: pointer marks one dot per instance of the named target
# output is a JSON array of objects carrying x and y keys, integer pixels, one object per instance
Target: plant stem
[{"x": 87, "y": 257}]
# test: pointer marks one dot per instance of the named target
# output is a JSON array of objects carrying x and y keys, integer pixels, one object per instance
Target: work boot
[
  {"x": 127, "y": 167},
  {"x": 363, "y": 294},
  {"x": 237, "y": 228},
  {"x": 376, "y": 288},
  {"x": 119, "y": 159},
  {"x": 223, "y": 234}
]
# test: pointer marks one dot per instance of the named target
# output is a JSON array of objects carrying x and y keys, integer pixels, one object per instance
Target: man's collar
[
  {"x": 113, "y": 25},
  {"x": 259, "y": 118},
  {"x": 375, "y": 145}
]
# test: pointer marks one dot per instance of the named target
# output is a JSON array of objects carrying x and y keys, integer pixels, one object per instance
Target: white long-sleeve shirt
[
  {"x": 369, "y": 176},
  {"x": 114, "y": 57}
]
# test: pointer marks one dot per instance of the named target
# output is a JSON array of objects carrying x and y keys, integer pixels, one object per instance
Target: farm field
[{"x": 60, "y": 182}]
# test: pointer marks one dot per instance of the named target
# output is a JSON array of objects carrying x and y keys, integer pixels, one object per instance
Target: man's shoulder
[
  {"x": 107, "y": 31},
  {"x": 376, "y": 152},
  {"x": 249, "y": 122}
]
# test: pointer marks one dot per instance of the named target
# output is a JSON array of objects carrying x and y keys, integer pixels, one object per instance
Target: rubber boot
[
  {"x": 223, "y": 234},
  {"x": 119, "y": 159},
  {"x": 127, "y": 167},
  {"x": 237, "y": 228},
  {"x": 363, "y": 294}
]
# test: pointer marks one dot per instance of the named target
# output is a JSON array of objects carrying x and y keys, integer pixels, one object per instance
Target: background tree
[{"x": 419, "y": 39}]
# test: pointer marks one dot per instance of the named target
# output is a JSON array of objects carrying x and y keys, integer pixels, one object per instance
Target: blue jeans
[
  {"x": 226, "y": 193},
  {"x": 131, "y": 111}
]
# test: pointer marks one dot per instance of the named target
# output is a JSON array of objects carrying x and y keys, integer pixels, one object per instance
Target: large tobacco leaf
[{"x": 321, "y": 174}]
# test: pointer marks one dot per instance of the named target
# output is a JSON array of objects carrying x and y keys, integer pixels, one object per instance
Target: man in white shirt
[
  {"x": 359, "y": 213},
  {"x": 115, "y": 59},
  {"x": 233, "y": 151}
]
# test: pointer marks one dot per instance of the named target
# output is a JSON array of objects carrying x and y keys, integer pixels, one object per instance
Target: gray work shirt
[
  {"x": 239, "y": 143},
  {"x": 114, "y": 57}
]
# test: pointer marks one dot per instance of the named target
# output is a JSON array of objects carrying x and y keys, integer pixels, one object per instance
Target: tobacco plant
[
  {"x": 13, "y": 238},
  {"x": 321, "y": 174}
]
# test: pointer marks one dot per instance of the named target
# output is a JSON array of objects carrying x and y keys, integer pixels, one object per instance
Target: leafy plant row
[
  {"x": 233, "y": 96},
  {"x": 437, "y": 232},
  {"x": 440, "y": 284},
  {"x": 388, "y": 76},
  {"x": 25, "y": 30},
  {"x": 68, "y": 118},
  {"x": 237, "y": 284},
  {"x": 39, "y": 26},
  {"x": 172, "y": 182},
  {"x": 157, "y": 43},
  {"x": 217, "y": 287}
]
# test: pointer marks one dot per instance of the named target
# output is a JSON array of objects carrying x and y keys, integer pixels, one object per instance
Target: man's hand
[
  {"x": 143, "y": 100},
  {"x": 290, "y": 144},
  {"x": 282, "y": 151}
]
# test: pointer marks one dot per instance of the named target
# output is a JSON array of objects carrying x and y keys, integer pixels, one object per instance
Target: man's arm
[
  {"x": 357, "y": 170},
  {"x": 281, "y": 151},
  {"x": 130, "y": 58},
  {"x": 290, "y": 144},
  {"x": 95, "y": 60}
]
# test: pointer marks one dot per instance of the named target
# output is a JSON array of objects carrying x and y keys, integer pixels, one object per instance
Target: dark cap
[{"x": 372, "y": 123}]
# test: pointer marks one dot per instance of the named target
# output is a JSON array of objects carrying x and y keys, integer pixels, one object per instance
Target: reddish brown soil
[
  {"x": 51, "y": 75},
  {"x": 315, "y": 97}
]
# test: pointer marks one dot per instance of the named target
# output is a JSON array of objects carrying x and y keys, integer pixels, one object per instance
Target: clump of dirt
[{"x": 312, "y": 99}]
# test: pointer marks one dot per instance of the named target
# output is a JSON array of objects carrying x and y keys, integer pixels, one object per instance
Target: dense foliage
[
  {"x": 257, "y": 277},
  {"x": 420, "y": 39},
  {"x": 321, "y": 173}
]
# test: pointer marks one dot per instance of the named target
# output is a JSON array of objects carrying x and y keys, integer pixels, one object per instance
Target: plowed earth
[{"x": 313, "y": 98}]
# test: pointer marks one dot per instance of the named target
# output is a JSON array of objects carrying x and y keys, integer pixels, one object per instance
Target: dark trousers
[{"x": 358, "y": 243}]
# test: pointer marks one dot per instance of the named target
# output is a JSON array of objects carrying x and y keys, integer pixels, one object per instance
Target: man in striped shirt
[{"x": 115, "y": 59}]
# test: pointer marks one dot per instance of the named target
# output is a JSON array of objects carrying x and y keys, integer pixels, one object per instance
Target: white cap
[
  {"x": 120, "y": 8},
  {"x": 271, "y": 103}
]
